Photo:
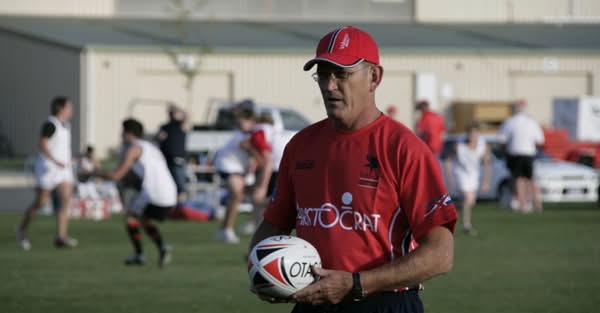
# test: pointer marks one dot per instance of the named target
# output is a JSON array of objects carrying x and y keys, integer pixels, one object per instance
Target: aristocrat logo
[{"x": 328, "y": 215}]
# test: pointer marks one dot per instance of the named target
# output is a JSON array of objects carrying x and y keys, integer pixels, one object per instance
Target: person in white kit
[
  {"x": 157, "y": 196},
  {"x": 522, "y": 136},
  {"x": 232, "y": 163},
  {"x": 463, "y": 165},
  {"x": 264, "y": 188},
  {"x": 53, "y": 171}
]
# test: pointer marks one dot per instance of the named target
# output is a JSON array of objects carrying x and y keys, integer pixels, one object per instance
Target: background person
[
  {"x": 87, "y": 162},
  {"x": 232, "y": 163},
  {"x": 87, "y": 165},
  {"x": 268, "y": 155},
  {"x": 53, "y": 171},
  {"x": 171, "y": 138},
  {"x": 463, "y": 165},
  {"x": 363, "y": 189},
  {"x": 522, "y": 136},
  {"x": 430, "y": 127},
  {"x": 157, "y": 196}
]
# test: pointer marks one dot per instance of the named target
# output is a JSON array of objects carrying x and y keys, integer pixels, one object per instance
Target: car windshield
[{"x": 292, "y": 120}]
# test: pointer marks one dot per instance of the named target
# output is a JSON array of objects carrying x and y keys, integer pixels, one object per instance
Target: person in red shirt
[
  {"x": 364, "y": 190},
  {"x": 259, "y": 147},
  {"x": 430, "y": 127}
]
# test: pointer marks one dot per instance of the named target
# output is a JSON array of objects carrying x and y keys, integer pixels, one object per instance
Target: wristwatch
[{"x": 357, "y": 291}]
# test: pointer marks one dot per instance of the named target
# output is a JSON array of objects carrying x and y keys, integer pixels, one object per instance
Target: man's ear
[{"x": 376, "y": 73}]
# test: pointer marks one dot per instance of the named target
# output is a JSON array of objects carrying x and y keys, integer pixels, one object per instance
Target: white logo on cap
[{"x": 345, "y": 43}]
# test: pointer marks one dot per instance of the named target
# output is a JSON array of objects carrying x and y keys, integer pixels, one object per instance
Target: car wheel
[{"x": 504, "y": 195}]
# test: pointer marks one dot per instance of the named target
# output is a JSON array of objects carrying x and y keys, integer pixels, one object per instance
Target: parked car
[{"x": 559, "y": 181}]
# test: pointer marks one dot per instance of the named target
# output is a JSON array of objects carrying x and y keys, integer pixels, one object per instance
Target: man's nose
[{"x": 331, "y": 82}]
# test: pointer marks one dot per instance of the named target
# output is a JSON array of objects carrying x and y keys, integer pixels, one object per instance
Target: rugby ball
[{"x": 279, "y": 266}]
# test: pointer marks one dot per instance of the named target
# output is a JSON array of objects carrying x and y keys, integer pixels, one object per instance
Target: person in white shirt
[
  {"x": 463, "y": 165},
  {"x": 157, "y": 196},
  {"x": 232, "y": 163},
  {"x": 53, "y": 171},
  {"x": 522, "y": 136},
  {"x": 266, "y": 145}
]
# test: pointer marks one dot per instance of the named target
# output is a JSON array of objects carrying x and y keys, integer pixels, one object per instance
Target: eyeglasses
[{"x": 337, "y": 76}]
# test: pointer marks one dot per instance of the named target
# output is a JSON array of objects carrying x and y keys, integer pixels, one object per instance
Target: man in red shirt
[
  {"x": 364, "y": 190},
  {"x": 430, "y": 127}
]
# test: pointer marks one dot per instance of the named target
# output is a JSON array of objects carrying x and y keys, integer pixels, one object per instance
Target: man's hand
[
  {"x": 332, "y": 287},
  {"x": 60, "y": 164}
]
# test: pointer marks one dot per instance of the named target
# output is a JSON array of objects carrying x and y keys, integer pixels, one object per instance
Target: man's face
[
  {"x": 245, "y": 124},
  {"x": 345, "y": 92},
  {"x": 127, "y": 137},
  {"x": 473, "y": 134},
  {"x": 67, "y": 111}
]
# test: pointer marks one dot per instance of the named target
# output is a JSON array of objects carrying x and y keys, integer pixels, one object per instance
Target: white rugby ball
[{"x": 281, "y": 265}]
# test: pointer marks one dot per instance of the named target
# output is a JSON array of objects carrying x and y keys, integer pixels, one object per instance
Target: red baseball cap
[{"x": 345, "y": 47}]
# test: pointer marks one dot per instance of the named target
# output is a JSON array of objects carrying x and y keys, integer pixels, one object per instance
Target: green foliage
[
  {"x": 12, "y": 164},
  {"x": 546, "y": 262}
]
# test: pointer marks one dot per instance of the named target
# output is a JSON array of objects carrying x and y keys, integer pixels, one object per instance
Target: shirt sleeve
[
  {"x": 259, "y": 142},
  {"x": 48, "y": 130},
  {"x": 424, "y": 197},
  {"x": 281, "y": 210}
]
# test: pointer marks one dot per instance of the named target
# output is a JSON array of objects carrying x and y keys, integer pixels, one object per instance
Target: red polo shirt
[{"x": 363, "y": 197}]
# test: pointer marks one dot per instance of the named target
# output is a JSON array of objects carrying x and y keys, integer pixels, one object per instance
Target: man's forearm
[{"x": 433, "y": 257}]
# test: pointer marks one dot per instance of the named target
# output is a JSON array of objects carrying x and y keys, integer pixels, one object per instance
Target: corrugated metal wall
[
  {"x": 504, "y": 11},
  {"x": 486, "y": 77},
  {"x": 498, "y": 11},
  {"x": 33, "y": 73},
  {"x": 278, "y": 79}
]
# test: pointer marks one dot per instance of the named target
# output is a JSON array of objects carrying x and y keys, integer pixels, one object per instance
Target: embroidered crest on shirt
[{"x": 369, "y": 176}]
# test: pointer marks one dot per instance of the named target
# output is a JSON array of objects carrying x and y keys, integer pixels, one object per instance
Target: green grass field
[{"x": 546, "y": 262}]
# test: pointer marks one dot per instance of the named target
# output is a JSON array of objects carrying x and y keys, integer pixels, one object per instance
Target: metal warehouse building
[{"x": 114, "y": 68}]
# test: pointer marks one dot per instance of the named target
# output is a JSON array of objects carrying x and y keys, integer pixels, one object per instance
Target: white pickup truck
[{"x": 206, "y": 140}]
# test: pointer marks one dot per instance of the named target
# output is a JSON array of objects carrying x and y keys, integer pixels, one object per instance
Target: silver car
[{"x": 559, "y": 181}]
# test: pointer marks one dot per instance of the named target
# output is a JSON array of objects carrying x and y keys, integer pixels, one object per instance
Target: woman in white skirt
[{"x": 463, "y": 164}]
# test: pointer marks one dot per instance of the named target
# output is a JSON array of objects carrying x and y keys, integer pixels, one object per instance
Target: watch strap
[{"x": 357, "y": 290}]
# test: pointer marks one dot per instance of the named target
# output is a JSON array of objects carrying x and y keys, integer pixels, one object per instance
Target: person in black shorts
[
  {"x": 522, "y": 137},
  {"x": 157, "y": 194},
  {"x": 520, "y": 166}
]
